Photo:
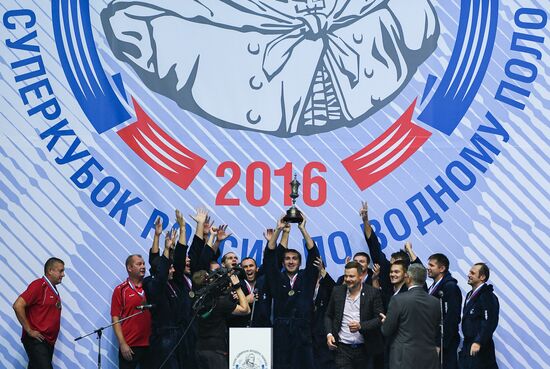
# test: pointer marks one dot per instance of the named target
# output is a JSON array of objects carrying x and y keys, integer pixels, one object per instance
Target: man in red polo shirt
[
  {"x": 38, "y": 309},
  {"x": 132, "y": 334}
]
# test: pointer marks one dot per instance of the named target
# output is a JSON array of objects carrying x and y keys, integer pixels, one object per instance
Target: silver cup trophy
[{"x": 293, "y": 215}]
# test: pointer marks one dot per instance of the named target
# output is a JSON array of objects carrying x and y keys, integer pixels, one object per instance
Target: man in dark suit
[
  {"x": 352, "y": 320},
  {"x": 411, "y": 325},
  {"x": 445, "y": 287},
  {"x": 479, "y": 321}
]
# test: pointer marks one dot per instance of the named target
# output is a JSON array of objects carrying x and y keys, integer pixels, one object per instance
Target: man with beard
[
  {"x": 292, "y": 291},
  {"x": 479, "y": 321},
  {"x": 132, "y": 334},
  {"x": 445, "y": 287},
  {"x": 353, "y": 320}
]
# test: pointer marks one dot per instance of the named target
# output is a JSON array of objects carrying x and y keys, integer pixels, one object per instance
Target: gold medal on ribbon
[
  {"x": 291, "y": 293},
  {"x": 191, "y": 294}
]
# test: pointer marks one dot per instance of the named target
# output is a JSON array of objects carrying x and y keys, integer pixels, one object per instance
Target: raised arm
[
  {"x": 180, "y": 251},
  {"x": 183, "y": 231},
  {"x": 273, "y": 235},
  {"x": 200, "y": 218},
  {"x": 412, "y": 256},
  {"x": 242, "y": 308},
  {"x": 285, "y": 236},
  {"x": 197, "y": 245},
  {"x": 302, "y": 227},
  {"x": 375, "y": 251},
  {"x": 312, "y": 272},
  {"x": 154, "y": 253},
  {"x": 164, "y": 265}
]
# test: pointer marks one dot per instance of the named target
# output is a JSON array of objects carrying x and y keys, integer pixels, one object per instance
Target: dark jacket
[
  {"x": 320, "y": 304},
  {"x": 479, "y": 321},
  {"x": 452, "y": 305},
  {"x": 411, "y": 326},
  {"x": 297, "y": 304},
  {"x": 371, "y": 307}
]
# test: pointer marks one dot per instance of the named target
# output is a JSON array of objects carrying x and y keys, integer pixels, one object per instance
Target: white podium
[{"x": 250, "y": 348}]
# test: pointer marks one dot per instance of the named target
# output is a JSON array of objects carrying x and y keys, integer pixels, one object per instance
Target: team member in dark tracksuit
[
  {"x": 292, "y": 292},
  {"x": 445, "y": 287},
  {"x": 173, "y": 298},
  {"x": 166, "y": 315},
  {"x": 323, "y": 357},
  {"x": 479, "y": 321}
]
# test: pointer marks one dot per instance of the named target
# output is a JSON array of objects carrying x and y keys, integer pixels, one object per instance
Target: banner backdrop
[{"x": 117, "y": 112}]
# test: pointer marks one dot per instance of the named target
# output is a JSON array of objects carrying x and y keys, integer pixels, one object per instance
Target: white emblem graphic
[
  {"x": 283, "y": 67},
  {"x": 249, "y": 360}
]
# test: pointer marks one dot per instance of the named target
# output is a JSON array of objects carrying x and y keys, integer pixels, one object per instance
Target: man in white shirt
[{"x": 352, "y": 320}]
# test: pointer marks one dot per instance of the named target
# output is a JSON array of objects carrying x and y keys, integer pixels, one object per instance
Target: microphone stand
[{"x": 99, "y": 332}]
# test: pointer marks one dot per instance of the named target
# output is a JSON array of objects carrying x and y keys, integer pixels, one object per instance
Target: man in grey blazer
[
  {"x": 411, "y": 325},
  {"x": 352, "y": 321}
]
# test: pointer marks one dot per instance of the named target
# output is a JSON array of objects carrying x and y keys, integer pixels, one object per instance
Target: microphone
[
  {"x": 145, "y": 306},
  {"x": 440, "y": 294}
]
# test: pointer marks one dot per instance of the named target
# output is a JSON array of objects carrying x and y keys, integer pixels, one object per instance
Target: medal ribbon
[
  {"x": 51, "y": 286},
  {"x": 249, "y": 286},
  {"x": 293, "y": 280}
]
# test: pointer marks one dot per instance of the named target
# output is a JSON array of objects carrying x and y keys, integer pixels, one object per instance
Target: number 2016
[{"x": 261, "y": 195}]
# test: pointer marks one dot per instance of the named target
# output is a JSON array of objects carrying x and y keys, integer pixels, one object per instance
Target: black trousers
[
  {"x": 40, "y": 353},
  {"x": 351, "y": 357},
  {"x": 141, "y": 357},
  {"x": 450, "y": 355},
  {"x": 292, "y": 344},
  {"x": 166, "y": 353},
  {"x": 209, "y": 359}
]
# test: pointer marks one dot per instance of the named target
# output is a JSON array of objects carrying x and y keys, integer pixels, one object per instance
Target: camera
[{"x": 217, "y": 282}]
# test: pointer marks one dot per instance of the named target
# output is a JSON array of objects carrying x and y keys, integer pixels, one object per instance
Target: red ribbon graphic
[
  {"x": 163, "y": 153},
  {"x": 379, "y": 158}
]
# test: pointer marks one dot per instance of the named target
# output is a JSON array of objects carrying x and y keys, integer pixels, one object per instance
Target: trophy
[{"x": 293, "y": 215}]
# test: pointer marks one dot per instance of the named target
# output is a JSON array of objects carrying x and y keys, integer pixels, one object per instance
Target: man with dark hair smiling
[
  {"x": 38, "y": 309},
  {"x": 292, "y": 292},
  {"x": 445, "y": 287},
  {"x": 352, "y": 320},
  {"x": 479, "y": 321}
]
